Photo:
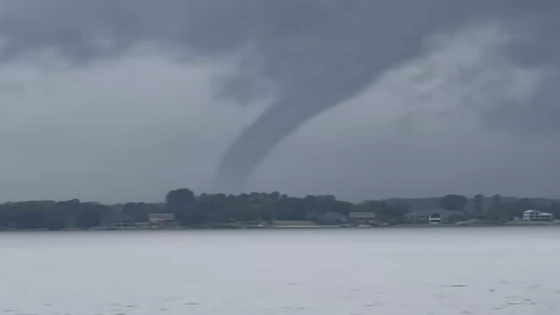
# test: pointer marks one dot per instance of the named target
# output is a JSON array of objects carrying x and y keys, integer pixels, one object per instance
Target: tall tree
[
  {"x": 180, "y": 197},
  {"x": 181, "y": 203},
  {"x": 497, "y": 210},
  {"x": 479, "y": 205},
  {"x": 91, "y": 214},
  {"x": 140, "y": 212},
  {"x": 496, "y": 201},
  {"x": 453, "y": 202}
]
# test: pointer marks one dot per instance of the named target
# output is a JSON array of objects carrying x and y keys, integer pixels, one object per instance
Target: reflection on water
[{"x": 400, "y": 271}]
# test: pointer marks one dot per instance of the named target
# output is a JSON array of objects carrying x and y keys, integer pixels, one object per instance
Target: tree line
[
  {"x": 497, "y": 207},
  {"x": 265, "y": 207},
  {"x": 257, "y": 208},
  {"x": 52, "y": 215},
  {"x": 189, "y": 210}
]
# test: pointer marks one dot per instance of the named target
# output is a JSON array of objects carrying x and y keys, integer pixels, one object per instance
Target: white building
[
  {"x": 535, "y": 215},
  {"x": 434, "y": 216},
  {"x": 162, "y": 219}
]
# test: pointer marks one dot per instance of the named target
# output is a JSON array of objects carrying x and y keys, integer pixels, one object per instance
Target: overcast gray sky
[{"x": 124, "y": 100}]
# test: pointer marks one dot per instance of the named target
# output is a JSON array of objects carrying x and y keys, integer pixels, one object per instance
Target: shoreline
[{"x": 295, "y": 227}]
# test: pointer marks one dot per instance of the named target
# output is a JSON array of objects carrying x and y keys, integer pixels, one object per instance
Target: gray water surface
[{"x": 325, "y": 272}]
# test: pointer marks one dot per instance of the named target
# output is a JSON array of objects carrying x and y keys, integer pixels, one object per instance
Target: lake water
[{"x": 503, "y": 270}]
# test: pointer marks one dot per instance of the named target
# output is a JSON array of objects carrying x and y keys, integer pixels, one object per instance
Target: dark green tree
[
  {"x": 181, "y": 202},
  {"x": 140, "y": 211},
  {"x": 90, "y": 214},
  {"x": 30, "y": 219},
  {"x": 554, "y": 208},
  {"x": 214, "y": 207},
  {"x": 179, "y": 198},
  {"x": 38, "y": 215},
  {"x": 497, "y": 210},
  {"x": 453, "y": 202},
  {"x": 496, "y": 201},
  {"x": 479, "y": 205},
  {"x": 7, "y": 216}
]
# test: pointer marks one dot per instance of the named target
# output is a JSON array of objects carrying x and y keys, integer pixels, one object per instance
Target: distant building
[
  {"x": 118, "y": 220},
  {"x": 331, "y": 217},
  {"x": 434, "y": 216},
  {"x": 535, "y": 215},
  {"x": 162, "y": 219},
  {"x": 357, "y": 218}
]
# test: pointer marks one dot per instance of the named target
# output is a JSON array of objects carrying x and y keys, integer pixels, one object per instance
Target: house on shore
[
  {"x": 331, "y": 217},
  {"x": 537, "y": 216},
  {"x": 118, "y": 220},
  {"x": 160, "y": 220},
  {"x": 328, "y": 218},
  {"x": 434, "y": 216},
  {"x": 361, "y": 218}
]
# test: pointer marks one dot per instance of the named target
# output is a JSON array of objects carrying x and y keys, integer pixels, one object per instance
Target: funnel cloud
[{"x": 318, "y": 53}]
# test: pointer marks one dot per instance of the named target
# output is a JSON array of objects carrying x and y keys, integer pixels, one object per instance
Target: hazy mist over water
[{"x": 371, "y": 271}]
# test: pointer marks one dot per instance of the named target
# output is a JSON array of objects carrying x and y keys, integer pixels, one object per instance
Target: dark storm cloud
[
  {"x": 539, "y": 116},
  {"x": 319, "y": 53}
]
